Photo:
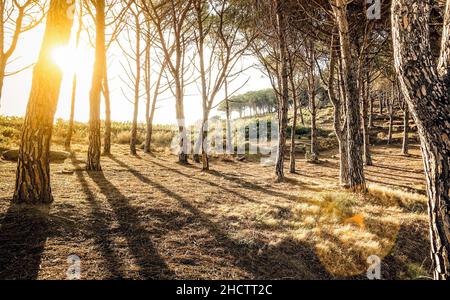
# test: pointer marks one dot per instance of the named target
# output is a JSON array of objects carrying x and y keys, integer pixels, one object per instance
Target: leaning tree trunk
[
  {"x": 284, "y": 98},
  {"x": 356, "y": 177},
  {"x": 426, "y": 90},
  {"x": 294, "y": 119},
  {"x": 33, "y": 167},
  {"x": 93, "y": 160},
  {"x": 2, "y": 76}
]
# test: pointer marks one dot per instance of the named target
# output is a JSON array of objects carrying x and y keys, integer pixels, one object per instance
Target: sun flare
[{"x": 70, "y": 60}]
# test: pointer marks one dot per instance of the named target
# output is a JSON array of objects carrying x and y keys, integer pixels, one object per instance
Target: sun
[{"x": 70, "y": 60}]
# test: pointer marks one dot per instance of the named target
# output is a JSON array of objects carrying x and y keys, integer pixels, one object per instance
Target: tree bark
[
  {"x": 229, "y": 138},
  {"x": 107, "y": 97},
  {"x": 312, "y": 101},
  {"x": 182, "y": 155},
  {"x": 371, "y": 115},
  {"x": 426, "y": 90},
  {"x": 338, "y": 109},
  {"x": 2, "y": 77},
  {"x": 33, "y": 167},
  {"x": 356, "y": 177},
  {"x": 147, "y": 80},
  {"x": 365, "y": 119},
  {"x": 391, "y": 114},
  {"x": 294, "y": 119},
  {"x": 137, "y": 79},
  {"x": 94, "y": 149},
  {"x": 284, "y": 98},
  {"x": 200, "y": 41}
]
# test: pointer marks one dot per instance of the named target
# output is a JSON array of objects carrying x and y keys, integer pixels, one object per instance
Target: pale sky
[{"x": 16, "y": 88}]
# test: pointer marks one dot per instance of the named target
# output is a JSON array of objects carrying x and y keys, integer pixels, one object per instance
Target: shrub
[
  {"x": 124, "y": 137},
  {"x": 163, "y": 138}
]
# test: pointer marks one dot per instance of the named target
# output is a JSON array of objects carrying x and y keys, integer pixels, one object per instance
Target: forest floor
[{"x": 147, "y": 217}]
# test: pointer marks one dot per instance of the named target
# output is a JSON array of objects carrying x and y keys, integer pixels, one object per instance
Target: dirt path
[{"x": 148, "y": 217}]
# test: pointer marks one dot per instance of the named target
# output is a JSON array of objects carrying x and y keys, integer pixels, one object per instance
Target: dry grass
[{"x": 149, "y": 217}]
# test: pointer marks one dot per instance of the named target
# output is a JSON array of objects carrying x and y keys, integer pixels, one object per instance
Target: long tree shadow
[
  {"x": 208, "y": 182},
  {"x": 287, "y": 260},
  {"x": 251, "y": 186},
  {"x": 152, "y": 265},
  {"x": 248, "y": 185},
  {"x": 23, "y": 233},
  {"x": 394, "y": 176},
  {"x": 99, "y": 228},
  {"x": 393, "y": 168},
  {"x": 396, "y": 185}
]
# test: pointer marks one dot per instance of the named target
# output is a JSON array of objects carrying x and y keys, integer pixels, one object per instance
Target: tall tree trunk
[
  {"x": 107, "y": 97},
  {"x": 33, "y": 167},
  {"x": 137, "y": 82},
  {"x": 182, "y": 155},
  {"x": 312, "y": 101},
  {"x": 391, "y": 114},
  {"x": 147, "y": 80},
  {"x": 302, "y": 119},
  {"x": 199, "y": 8},
  {"x": 284, "y": 99},
  {"x": 356, "y": 177},
  {"x": 338, "y": 106},
  {"x": 365, "y": 88},
  {"x": 426, "y": 90},
  {"x": 74, "y": 84},
  {"x": 2, "y": 76},
  {"x": 229, "y": 142},
  {"x": 294, "y": 119},
  {"x": 94, "y": 149},
  {"x": 371, "y": 115}
]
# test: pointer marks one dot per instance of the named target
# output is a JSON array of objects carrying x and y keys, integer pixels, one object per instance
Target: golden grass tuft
[{"x": 386, "y": 196}]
